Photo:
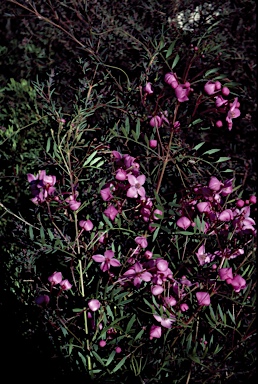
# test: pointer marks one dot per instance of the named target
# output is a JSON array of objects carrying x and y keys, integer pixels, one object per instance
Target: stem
[{"x": 168, "y": 151}]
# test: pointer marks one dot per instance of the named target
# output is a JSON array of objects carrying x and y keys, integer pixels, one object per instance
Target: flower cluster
[
  {"x": 232, "y": 111},
  {"x": 42, "y": 186},
  {"x": 182, "y": 91}
]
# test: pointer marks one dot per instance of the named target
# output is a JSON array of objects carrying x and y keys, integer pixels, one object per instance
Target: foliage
[{"x": 80, "y": 113}]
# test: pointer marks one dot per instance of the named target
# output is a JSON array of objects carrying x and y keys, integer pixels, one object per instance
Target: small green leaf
[
  {"x": 170, "y": 49},
  {"x": 119, "y": 365},
  {"x": 176, "y": 60},
  {"x": 211, "y": 151},
  {"x": 221, "y": 159},
  {"x": 130, "y": 324},
  {"x": 198, "y": 146},
  {"x": 210, "y": 71}
]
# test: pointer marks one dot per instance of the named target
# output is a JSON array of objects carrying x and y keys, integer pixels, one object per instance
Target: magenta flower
[
  {"x": 121, "y": 174},
  {"x": 156, "y": 290},
  {"x": 184, "y": 307},
  {"x": 65, "y": 285},
  {"x": 220, "y": 101},
  {"x": 155, "y": 331},
  {"x": 118, "y": 350},
  {"x": 171, "y": 79},
  {"x": 166, "y": 322},
  {"x": 225, "y": 273},
  {"x": 148, "y": 88},
  {"x": 225, "y": 91},
  {"x": 136, "y": 187},
  {"x": 253, "y": 199},
  {"x": 162, "y": 265},
  {"x": 142, "y": 241},
  {"x": 203, "y": 257},
  {"x": 156, "y": 121},
  {"x": 182, "y": 92},
  {"x": 102, "y": 343},
  {"x": 170, "y": 301},
  {"x": 94, "y": 305},
  {"x": 87, "y": 225},
  {"x": 74, "y": 205},
  {"x": 233, "y": 113},
  {"x": 55, "y": 278},
  {"x": 183, "y": 222},
  {"x": 203, "y": 298},
  {"x": 212, "y": 87},
  {"x": 111, "y": 212},
  {"x": 226, "y": 215},
  {"x": 138, "y": 274},
  {"x": 204, "y": 207},
  {"x": 106, "y": 194},
  {"x": 215, "y": 184},
  {"x": 107, "y": 260},
  {"x": 237, "y": 283}
]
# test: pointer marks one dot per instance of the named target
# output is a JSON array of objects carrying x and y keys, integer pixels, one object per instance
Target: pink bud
[
  {"x": 162, "y": 265},
  {"x": 94, "y": 305},
  {"x": 156, "y": 121},
  {"x": 171, "y": 80},
  {"x": 225, "y": 91},
  {"x": 240, "y": 203},
  {"x": 118, "y": 350},
  {"x": 252, "y": 199},
  {"x": 148, "y": 254},
  {"x": 153, "y": 143},
  {"x": 219, "y": 124},
  {"x": 148, "y": 88},
  {"x": 226, "y": 215},
  {"x": 74, "y": 205},
  {"x": 157, "y": 212},
  {"x": 102, "y": 343},
  {"x": 121, "y": 174}
]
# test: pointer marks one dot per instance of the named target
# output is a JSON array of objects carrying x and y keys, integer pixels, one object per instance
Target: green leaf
[
  {"x": 119, "y": 365},
  {"x": 31, "y": 234},
  {"x": 198, "y": 146},
  {"x": 210, "y": 71},
  {"x": 130, "y": 324},
  {"x": 139, "y": 334},
  {"x": 170, "y": 49},
  {"x": 221, "y": 159},
  {"x": 83, "y": 359},
  {"x": 87, "y": 162},
  {"x": 48, "y": 144},
  {"x": 176, "y": 60},
  {"x": 97, "y": 357},
  {"x": 211, "y": 151},
  {"x": 111, "y": 358}
]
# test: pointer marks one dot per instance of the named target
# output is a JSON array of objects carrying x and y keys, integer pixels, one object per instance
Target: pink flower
[
  {"x": 240, "y": 203},
  {"x": 142, "y": 241},
  {"x": 94, "y": 305},
  {"x": 136, "y": 186},
  {"x": 203, "y": 257},
  {"x": 121, "y": 174},
  {"x": 237, "y": 283},
  {"x": 86, "y": 225},
  {"x": 106, "y": 194},
  {"x": 215, "y": 184},
  {"x": 111, "y": 212},
  {"x": 170, "y": 301},
  {"x": 184, "y": 307},
  {"x": 226, "y": 215},
  {"x": 106, "y": 260},
  {"x": 182, "y": 92},
  {"x": 203, "y": 298},
  {"x": 138, "y": 274},
  {"x": 148, "y": 88},
  {"x": 212, "y": 87},
  {"x": 156, "y": 121},
  {"x": 155, "y": 331},
  {"x": 118, "y": 350},
  {"x": 233, "y": 113},
  {"x": 55, "y": 278},
  {"x": 102, "y": 343},
  {"x": 156, "y": 290},
  {"x": 162, "y": 265},
  {"x": 171, "y": 79},
  {"x": 225, "y": 91},
  {"x": 74, "y": 205},
  {"x": 166, "y": 322},
  {"x": 227, "y": 187},
  {"x": 225, "y": 273},
  {"x": 65, "y": 285},
  {"x": 157, "y": 213},
  {"x": 204, "y": 207},
  {"x": 220, "y": 101},
  {"x": 183, "y": 222}
]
